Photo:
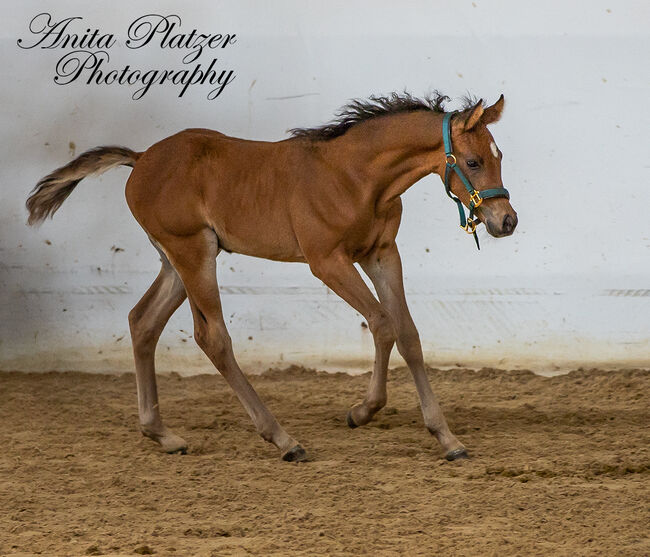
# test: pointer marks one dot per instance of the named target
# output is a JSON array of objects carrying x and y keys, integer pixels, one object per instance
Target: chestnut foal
[{"x": 328, "y": 196}]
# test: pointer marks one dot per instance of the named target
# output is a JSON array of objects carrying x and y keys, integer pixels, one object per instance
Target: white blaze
[{"x": 493, "y": 148}]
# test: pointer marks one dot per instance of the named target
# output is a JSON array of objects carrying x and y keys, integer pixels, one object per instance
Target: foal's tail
[{"x": 53, "y": 190}]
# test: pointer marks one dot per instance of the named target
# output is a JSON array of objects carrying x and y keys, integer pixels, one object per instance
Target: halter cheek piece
[{"x": 475, "y": 197}]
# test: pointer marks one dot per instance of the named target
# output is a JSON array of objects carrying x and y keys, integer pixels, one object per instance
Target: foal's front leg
[
  {"x": 384, "y": 267},
  {"x": 340, "y": 275}
]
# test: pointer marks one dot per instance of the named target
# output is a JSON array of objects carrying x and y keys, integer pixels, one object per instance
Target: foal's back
[{"x": 242, "y": 189}]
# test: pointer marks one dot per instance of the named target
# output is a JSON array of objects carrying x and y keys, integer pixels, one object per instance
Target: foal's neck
[{"x": 389, "y": 154}]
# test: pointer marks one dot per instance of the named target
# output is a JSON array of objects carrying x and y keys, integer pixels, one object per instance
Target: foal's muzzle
[{"x": 501, "y": 226}]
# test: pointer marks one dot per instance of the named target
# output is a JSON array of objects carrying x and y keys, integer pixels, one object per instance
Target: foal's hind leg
[
  {"x": 147, "y": 321},
  {"x": 194, "y": 257}
]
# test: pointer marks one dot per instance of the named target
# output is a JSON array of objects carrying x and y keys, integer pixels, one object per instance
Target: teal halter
[{"x": 475, "y": 197}]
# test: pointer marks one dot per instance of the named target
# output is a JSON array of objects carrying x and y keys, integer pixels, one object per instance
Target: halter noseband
[{"x": 475, "y": 197}]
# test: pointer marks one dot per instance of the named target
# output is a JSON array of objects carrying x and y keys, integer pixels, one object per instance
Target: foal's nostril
[{"x": 509, "y": 224}]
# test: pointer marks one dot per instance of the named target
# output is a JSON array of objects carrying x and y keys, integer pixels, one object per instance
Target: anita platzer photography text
[{"x": 86, "y": 54}]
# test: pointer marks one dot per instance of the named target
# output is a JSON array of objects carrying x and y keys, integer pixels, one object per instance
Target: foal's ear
[
  {"x": 492, "y": 113},
  {"x": 474, "y": 116}
]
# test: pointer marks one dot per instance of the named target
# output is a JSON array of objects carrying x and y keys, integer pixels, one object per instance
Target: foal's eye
[{"x": 473, "y": 164}]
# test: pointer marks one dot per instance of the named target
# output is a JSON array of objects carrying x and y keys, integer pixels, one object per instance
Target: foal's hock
[{"x": 328, "y": 196}]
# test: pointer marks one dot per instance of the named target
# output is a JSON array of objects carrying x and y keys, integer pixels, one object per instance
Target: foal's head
[{"x": 479, "y": 158}]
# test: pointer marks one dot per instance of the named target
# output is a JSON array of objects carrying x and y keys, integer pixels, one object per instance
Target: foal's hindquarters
[{"x": 168, "y": 204}]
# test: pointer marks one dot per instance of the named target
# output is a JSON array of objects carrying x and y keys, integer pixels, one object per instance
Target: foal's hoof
[
  {"x": 297, "y": 454},
  {"x": 170, "y": 442},
  {"x": 176, "y": 450},
  {"x": 350, "y": 421},
  {"x": 173, "y": 444},
  {"x": 456, "y": 454}
]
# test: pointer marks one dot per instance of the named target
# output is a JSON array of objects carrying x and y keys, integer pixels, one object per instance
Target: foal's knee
[
  {"x": 382, "y": 328},
  {"x": 215, "y": 343},
  {"x": 409, "y": 345}
]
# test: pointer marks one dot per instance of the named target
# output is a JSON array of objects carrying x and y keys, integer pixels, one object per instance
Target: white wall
[{"x": 571, "y": 287}]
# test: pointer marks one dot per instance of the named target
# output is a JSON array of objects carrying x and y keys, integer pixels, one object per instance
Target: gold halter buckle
[
  {"x": 470, "y": 227},
  {"x": 476, "y": 199},
  {"x": 451, "y": 159}
]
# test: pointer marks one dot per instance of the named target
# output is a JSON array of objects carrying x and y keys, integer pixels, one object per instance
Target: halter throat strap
[{"x": 469, "y": 223}]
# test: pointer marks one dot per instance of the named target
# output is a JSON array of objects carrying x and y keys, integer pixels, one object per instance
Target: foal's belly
[
  {"x": 267, "y": 241},
  {"x": 272, "y": 251}
]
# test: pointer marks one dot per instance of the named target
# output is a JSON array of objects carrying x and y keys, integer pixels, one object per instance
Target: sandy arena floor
[{"x": 560, "y": 466}]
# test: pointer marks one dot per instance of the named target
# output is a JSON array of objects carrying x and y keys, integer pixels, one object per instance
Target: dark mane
[{"x": 359, "y": 110}]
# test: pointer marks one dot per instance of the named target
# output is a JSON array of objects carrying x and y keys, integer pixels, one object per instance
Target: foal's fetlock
[
  {"x": 454, "y": 449},
  {"x": 362, "y": 413},
  {"x": 269, "y": 434},
  {"x": 169, "y": 441},
  {"x": 292, "y": 451}
]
